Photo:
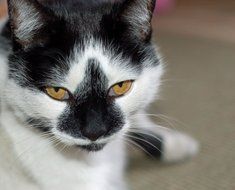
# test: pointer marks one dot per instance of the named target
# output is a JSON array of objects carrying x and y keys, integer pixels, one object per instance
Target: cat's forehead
[{"x": 113, "y": 65}]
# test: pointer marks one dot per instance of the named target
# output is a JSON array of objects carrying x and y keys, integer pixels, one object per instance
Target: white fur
[
  {"x": 32, "y": 104},
  {"x": 143, "y": 92}
]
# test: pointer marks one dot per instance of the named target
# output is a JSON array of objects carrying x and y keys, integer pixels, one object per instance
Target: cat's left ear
[
  {"x": 138, "y": 15},
  {"x": 28, "y": 23}
]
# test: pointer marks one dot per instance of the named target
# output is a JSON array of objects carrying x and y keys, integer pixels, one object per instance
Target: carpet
[{"x": 198, "y": 95}]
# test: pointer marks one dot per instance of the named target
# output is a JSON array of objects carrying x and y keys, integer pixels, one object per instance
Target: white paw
[{"x": 178, "y": 147}]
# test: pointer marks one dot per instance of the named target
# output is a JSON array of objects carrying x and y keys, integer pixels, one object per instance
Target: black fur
[{"x": 151, "y": 143}]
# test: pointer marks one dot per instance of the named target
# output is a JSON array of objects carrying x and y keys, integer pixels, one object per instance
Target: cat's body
[{"x": 43, "y": 140}]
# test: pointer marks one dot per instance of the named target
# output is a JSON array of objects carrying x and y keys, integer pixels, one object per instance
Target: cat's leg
[{"x": 167, "y": 144}]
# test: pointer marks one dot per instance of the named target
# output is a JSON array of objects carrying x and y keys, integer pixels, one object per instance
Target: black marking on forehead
[{"x": 95, "y": 83}]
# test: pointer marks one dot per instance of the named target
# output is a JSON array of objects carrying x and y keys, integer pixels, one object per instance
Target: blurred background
[{"x": 197, "y": 41}]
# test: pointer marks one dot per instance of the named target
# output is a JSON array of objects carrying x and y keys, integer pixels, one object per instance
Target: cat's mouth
[
  {"x": 84, "y": 144},
  {"x": 93, "y": 147}
]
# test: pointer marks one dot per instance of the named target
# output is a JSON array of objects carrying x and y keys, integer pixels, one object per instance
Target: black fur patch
[{"x": 150, "y": 142}]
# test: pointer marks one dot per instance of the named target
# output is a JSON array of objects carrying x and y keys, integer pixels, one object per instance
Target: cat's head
[{"x": 80, "y": 70}]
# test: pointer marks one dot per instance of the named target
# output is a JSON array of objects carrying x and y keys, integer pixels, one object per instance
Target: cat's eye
[
  {"x": 120, "y": 88},
  {"x": 57, "y": 93}
]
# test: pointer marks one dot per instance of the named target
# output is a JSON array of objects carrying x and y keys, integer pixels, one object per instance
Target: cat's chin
[{"x": 93, "y": 147}]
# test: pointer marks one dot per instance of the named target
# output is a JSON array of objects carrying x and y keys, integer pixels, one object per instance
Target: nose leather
[
  {"x": 94, "y": 126},
  {"x": 93, "y": 133}
]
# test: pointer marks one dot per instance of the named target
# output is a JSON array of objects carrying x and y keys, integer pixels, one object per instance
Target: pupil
[
  {"x": 120, "y": 84},
  {"x": 56, "y": 89}
]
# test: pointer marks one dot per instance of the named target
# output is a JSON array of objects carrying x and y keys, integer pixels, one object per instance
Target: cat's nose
[
  {"x": 94, "y": 126},
  {"x": 93, "y": 134}
]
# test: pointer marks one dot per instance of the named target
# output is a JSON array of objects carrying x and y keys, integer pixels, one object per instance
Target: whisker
[
  {"x": 159, "y": 116},
  {"x": 133, "y": 123},
  {"x": 140, "y": 131},
  {"x": 143, "y": 140},
  {"x": 138, "y": 146}
]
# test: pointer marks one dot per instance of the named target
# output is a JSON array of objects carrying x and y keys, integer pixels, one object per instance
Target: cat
[{"x": 76, "y": 79}]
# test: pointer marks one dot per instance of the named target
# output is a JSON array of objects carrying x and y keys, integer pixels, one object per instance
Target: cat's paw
[{"x": 178, "y": 147}]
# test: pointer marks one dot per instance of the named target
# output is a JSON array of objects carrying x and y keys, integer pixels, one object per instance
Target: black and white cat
[{"x": 76, "y": 77}]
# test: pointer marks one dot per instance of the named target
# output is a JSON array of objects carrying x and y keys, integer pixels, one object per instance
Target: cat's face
[{"x": 80, "y": 73}]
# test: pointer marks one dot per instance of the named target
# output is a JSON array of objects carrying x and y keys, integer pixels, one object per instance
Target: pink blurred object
[{"x": 163, "y": 6}]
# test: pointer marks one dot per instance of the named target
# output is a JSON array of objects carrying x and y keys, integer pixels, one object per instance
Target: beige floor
[{"x": 200, "y": 93}]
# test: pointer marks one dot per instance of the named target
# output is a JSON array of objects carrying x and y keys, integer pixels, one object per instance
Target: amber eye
[
  {"x": 57, "y": 93},
  {"x": 120, "y": 89}
]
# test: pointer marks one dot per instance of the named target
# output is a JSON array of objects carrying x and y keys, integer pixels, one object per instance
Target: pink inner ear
[{"x": 164, "y": 5}]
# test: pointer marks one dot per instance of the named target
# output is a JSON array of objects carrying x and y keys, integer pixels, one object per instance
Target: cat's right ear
[
  {"x": 137, "y": 14},
  {"x": 28, "y": 23}
]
